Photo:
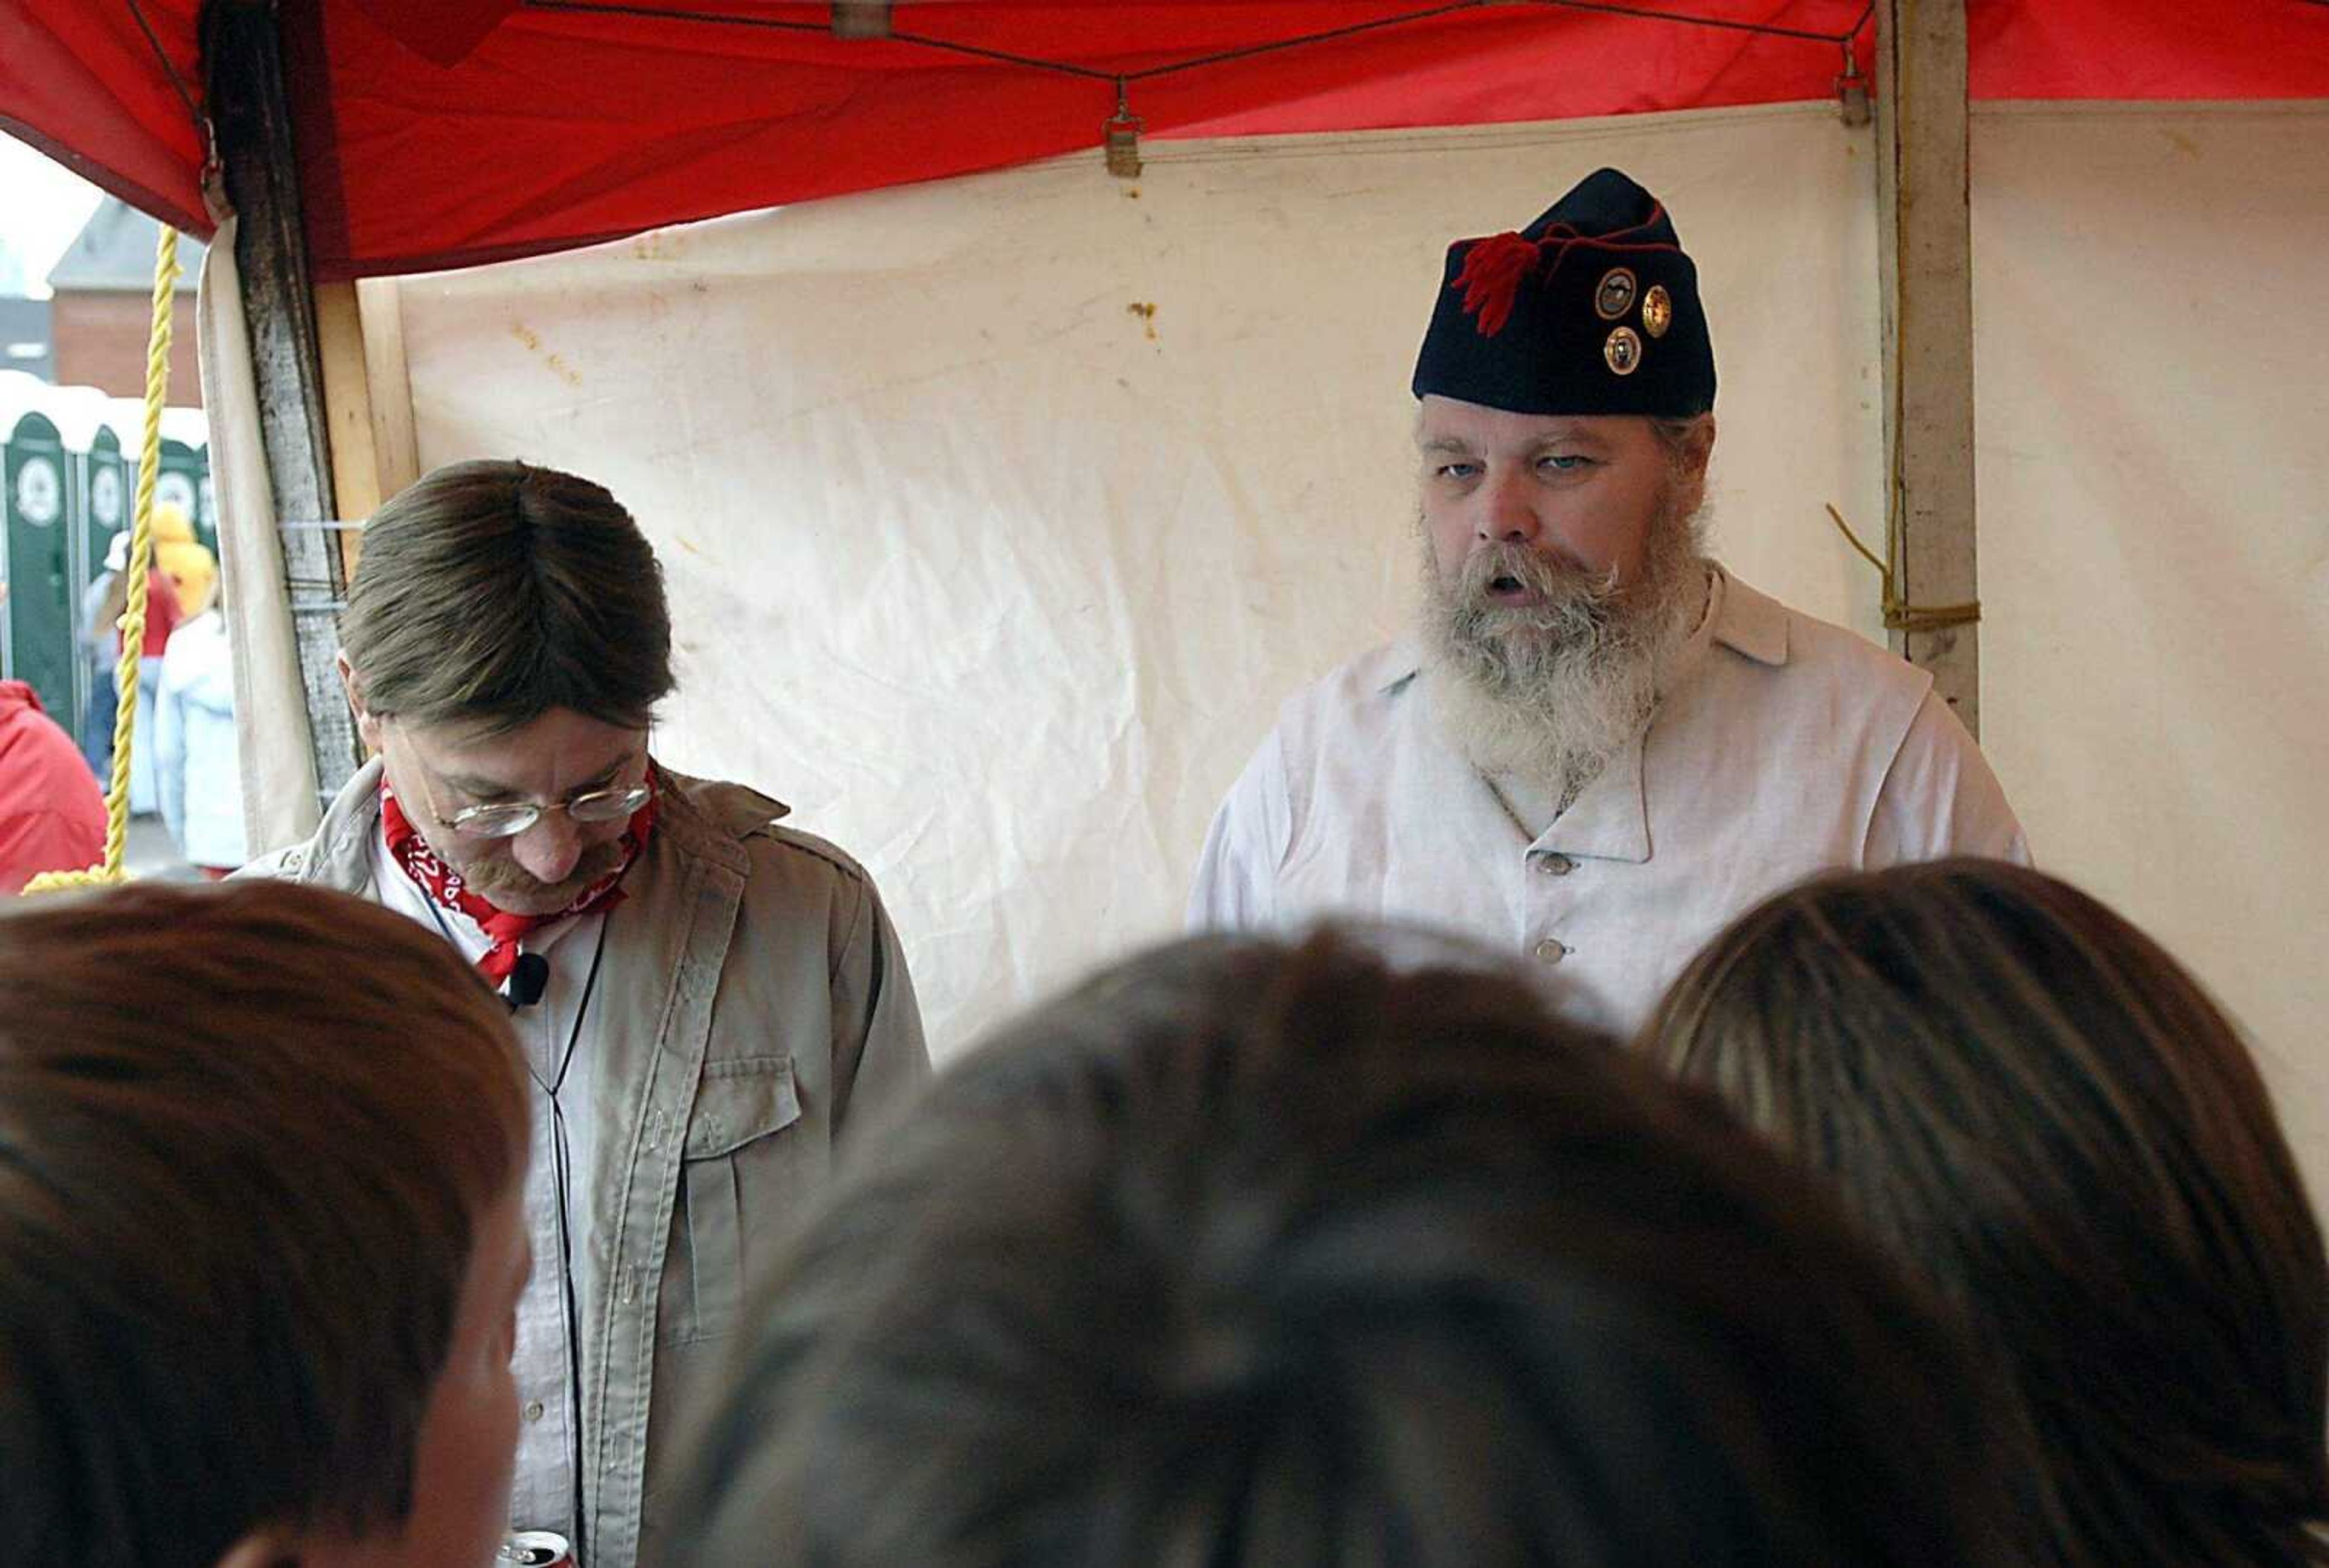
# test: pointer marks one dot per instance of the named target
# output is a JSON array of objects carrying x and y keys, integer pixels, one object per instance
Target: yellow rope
[
  {"x": 1900, "y": 615},
  {"x": 141, "y": 561}
]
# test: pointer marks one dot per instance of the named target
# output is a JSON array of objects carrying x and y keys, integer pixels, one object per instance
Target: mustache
[
  {"x": 1569, "y": 600},
  {"x": 508, "y": 877}
]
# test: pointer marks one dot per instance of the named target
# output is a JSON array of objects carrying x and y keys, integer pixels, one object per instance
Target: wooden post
[
  {"x": 1926, "y": 238},
  {"x": 252, "y": 114},
  {"x": 396, "y": 447},
  {"x": 347, "y": 408},
  {"x": 367, "y": 400}
]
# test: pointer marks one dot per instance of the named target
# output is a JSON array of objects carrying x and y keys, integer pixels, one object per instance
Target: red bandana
[{"x": 443, "y": 884}]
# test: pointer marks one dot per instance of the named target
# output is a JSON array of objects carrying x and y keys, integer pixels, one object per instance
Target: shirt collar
[{"x": 1749, "y": 623}]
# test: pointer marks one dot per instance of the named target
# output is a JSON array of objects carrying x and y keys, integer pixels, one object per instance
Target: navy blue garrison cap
[{"x": 1591, "y": 309}]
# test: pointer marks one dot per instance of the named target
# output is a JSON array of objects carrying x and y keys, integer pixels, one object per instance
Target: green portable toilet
[
  {"x": 106, "y": 481},
  {"x": 180, "y": 485},
  {"x": 37, "y": 564},
  {"x": 206, "y": 518},
  {"x": 105, "y": 487}
]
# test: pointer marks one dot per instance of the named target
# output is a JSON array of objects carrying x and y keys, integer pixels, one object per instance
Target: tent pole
[
  {"x": 1926, "y": 240},
  {"x": 252, "y": 113}
]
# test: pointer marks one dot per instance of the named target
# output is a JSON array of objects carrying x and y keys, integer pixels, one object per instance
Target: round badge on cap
[
  {"x": 1657, "y": 310},
  {"x": 1614, "y": 295},
  {"x": 1623, "y": 350}
]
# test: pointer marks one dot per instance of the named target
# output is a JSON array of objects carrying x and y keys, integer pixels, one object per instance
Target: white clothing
[
  {"x": 197, "y": 759},
  {"x": 543, "y": 1491},
  {"x": 1790, "y": 747}
]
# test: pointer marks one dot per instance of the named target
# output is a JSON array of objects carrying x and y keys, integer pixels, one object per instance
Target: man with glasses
[{"x": 709, "y": 1002}]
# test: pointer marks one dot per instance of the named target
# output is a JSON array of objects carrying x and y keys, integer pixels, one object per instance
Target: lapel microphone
[{"x": 527, "y": 981}]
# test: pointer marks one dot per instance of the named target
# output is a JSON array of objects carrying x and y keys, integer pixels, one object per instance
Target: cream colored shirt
[{"x": 1790, "y": 748}]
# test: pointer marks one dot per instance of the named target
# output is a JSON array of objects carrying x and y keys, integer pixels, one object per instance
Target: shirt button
[
  {"x": 533, "y": 1409},
  {"x": 1555, "y": 864},
  {"x": 1551, "y": 952}
]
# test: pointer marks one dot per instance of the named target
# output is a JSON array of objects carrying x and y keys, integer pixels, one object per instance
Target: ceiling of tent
[{"x": 433, "y": 133}]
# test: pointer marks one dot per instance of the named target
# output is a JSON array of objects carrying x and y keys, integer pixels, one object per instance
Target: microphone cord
[
  {"x": 561, "y": 1176},
  {"x": 563, "y": 1161}
]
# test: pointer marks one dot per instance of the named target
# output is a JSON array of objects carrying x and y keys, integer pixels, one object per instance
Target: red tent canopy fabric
[
  {"x": 436, "y": 133},
  {"x": 79, "y": 80}
]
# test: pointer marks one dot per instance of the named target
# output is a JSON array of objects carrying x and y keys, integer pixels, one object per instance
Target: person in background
[
  {"x": 261, "y": 1149},
  {"x": 162, "y": 617},
  {"x": 51, "y": 813},
  {"x": 2034, "y": 1106},
  {"x": 197, "y": 749},
  {"x": 1255, "y": 1253},
  {"x": 100, "y": 645}
]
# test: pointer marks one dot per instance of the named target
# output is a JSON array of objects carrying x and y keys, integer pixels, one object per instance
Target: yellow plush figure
[{"x": 186, "y": 560}]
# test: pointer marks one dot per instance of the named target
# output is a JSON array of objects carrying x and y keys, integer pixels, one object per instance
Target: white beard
[{"x": 1546, "y": 694}]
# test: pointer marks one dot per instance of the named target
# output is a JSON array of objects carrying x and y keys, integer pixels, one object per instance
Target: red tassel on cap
[
  {"x": 1491, "y": 278},
  {"x": 1493, "y": 267}
]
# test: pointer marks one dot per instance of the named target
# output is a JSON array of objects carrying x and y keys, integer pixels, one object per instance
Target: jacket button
[
  {"x": 1555, "y": 864},
  {"x": 532, "y": 1411},
  {"x": 1550, "y": 950}
]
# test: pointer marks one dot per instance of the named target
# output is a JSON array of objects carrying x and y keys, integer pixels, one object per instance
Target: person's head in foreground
[
  {"x": 260, "y": 1148},
  {"x": 505, "y": 643},
  {"x": 1566, "y": 396},
  {"x": 2036, "y": 1107},
  {"x": 1249, "y": 1252}
]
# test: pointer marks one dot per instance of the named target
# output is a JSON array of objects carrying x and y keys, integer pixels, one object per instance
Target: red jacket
[{"x": 52, "y": 813}]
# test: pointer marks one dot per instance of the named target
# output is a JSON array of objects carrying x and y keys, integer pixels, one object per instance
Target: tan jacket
[{"x": 755, "y": 1011}]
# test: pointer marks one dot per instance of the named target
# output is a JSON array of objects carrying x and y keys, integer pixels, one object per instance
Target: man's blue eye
[
  {"x": 1457, "y": 470},
  {"x": 1563, "y": 461}
]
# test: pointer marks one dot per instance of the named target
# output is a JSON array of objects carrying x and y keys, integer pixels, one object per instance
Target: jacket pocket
[{"x": 728, "y": 1166}]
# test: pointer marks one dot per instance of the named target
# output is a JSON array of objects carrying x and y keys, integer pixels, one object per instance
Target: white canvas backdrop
[
  {"x": 999, "y": 514},
  {"x": 2151, "y": 312}
]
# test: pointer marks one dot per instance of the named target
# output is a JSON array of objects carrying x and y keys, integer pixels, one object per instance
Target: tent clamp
[
  {"x": 861, "y": 18},
  {"x": 1120, "y": 136},
  {"x": 1851, "y": 92}
]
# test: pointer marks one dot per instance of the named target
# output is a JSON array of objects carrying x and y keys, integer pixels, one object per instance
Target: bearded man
[
  {"x": 1601, "y": 746},
  {"x": 711, "y": 1003}
]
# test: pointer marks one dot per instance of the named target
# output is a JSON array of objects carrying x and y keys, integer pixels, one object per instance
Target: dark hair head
[
  {"x": 490, "y": 592},
  {"x": 2030, "y": 1102},
  {"x": 246, "y": 1133},
  {"x": 1253, "y": 1253}
]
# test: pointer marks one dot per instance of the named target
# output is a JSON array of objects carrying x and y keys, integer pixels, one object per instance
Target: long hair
[{"x": 2036, "y": 1107}]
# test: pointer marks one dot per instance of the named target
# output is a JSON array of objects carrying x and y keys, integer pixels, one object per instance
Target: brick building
[{"x": 101, "y": 313}]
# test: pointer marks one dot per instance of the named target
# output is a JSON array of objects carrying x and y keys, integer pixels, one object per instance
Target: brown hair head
[
  {"x": 490, "y": 592},
  {"x": 246, "y": 1133},
  {"x": 2030, "y": 1102},
  {"x": 1248, "y": 1252}
]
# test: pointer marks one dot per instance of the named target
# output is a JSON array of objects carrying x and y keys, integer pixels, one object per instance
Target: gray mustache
[{"x": 1573, "y": 601}]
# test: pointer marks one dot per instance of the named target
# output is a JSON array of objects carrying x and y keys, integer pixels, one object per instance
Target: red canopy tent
[{"x": 435, "y": 133}]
